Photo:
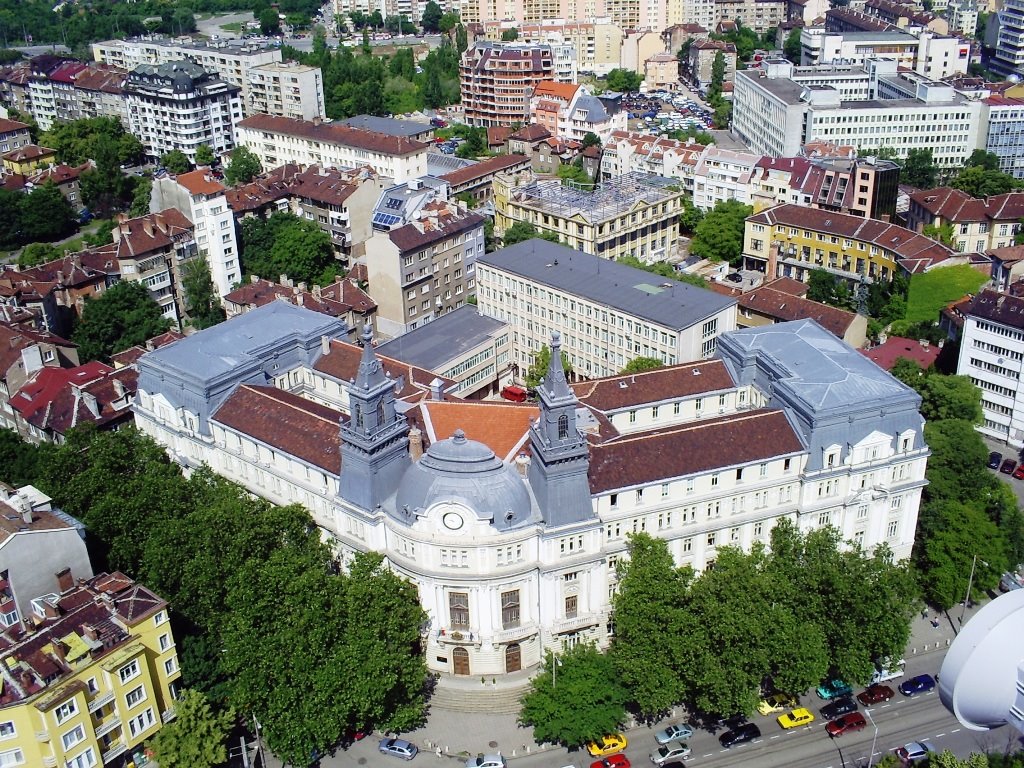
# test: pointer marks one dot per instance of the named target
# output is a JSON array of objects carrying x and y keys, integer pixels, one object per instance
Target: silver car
[
  {"x": 486, "y": 761},
  {"x": 674, "y": 750},
  {"x": 398, "y": 748},
  {"x": 676, "y": 732}
]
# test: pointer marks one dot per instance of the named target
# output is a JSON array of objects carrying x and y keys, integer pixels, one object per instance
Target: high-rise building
[{"x": 497, "y": 80}]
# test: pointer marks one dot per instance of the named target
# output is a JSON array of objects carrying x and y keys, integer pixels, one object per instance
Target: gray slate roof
[
  {"x": 406, "y": 128},
  {"x": 434, "y": 345},
  {"x": 629, "y": 290},
  {"x": 594, "y": 107}
]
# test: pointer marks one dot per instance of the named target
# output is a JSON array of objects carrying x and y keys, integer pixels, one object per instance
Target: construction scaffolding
[{"x": 605, "y": 200}]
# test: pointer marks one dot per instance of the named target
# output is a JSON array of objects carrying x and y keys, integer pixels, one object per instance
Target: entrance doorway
[
  {"x": 513, "y": 658},
  {"x": 460, "y": 661}
]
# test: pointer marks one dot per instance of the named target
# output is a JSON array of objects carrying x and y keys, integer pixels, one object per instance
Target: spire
[
  {"x": 370, "y": 373},
  {"x": 554, "y": 381}
]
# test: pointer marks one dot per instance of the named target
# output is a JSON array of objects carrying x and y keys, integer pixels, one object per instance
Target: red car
[
  {"x": 1007, "y": 466},
  {"x": 612, "y": 761},
  {"x": 1018, "y": 473},
  {"x": 854, "y": 721},
  {"x": 876, "y": 694}
]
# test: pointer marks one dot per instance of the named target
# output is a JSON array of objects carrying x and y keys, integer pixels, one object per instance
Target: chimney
[
  {"x": 317, "y": 292},
  {"x": 60, "y": 277},
  {"x": 254, "y": 279},
  {"x": 435, "y": 389},
  {"x": 65, "y": 580},
  {"x": 90, "y": 632},
  {"x": 522, "y": 464},
  {"x": 302, "y": 287},
  {"x": 415, "y": 444},
  {"x": 76, "y": 260},
  {"x": 299, "y": 298},
  {"x": 284, "y": 280},
  {"x": 325, "y": 345},
  {"x": 118, "y": 389},
  {"x": 147, "y": 226},
  {"x": 50, "y": 610}
]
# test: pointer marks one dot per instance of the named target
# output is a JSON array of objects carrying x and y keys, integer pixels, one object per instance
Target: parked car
[
  {"x": 994, "y": 460},
  {"x": 1009, "y": 580},
  {"x": 914, "y": 751},
  {"x": 1018, "y": 473},
  {"x": 1008, "y": 466},
  {"x": 798, "y": 717},
  {"x": 776, "y": 703},
  {"x": 875, "y": 694},
  {"x": 674, "y": 750},
  {"x": 853, "y": 721},
  {"x": 612, "y": 761},
  {"x": 833, "y": 689},
  {"x": 487, "y": 761},
  {"x": 610, "y": 744},
  {"x": 839, "y": 707},
  {"x": 887, "y": 670},
  {"x": 398, "y": 748},
  {"x": 919, "y": 684},
  {"x": 739, "y": 735},
  {"x": 677, "y": 732}
]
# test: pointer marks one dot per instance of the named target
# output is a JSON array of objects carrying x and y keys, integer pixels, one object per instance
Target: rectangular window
[
  {"x": 68, "y": 709},
  {"x": 142, "y": 722},
  {"x": 632, "y": 417},
  {"x": 893, "y": 529},
  {"x": 75, "y": 736},
  {"x": 510, "y": 609},
  {"x": 129, "y": 671},
  {"x": 613, "y": 500},
  {"x": 712, "y": 538},
  {"x": 570, "y": 607},
  {"x": 7, "y": 730},
  {"x": 171, "y": 665},
  {"x": 135, "y": 696},
  {"x": 165, "y": 642},
  {"x": 688, "y": 545},
  {"x": 458, "y": 609},
  {"x": 664, "y": 490},
  {"x": 85, "y": 760},
  {"x": 11, "y": 758}
]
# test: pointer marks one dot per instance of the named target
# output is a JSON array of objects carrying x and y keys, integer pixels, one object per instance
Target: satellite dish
[{"x": 979, "y": 678}]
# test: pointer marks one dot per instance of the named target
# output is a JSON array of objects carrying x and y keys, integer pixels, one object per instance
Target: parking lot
[
  {"x": 1008, "y": 452},
  {"x": 663, "y": 111}
]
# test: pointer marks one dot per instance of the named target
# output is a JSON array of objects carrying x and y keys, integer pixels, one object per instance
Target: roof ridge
[
  {"x": 673, "y": 429},
  {"x": 262, "y": 392}
]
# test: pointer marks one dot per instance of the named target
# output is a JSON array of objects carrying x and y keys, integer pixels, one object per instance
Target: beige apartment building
[
  {"x": 287, "y": 89},
  {"x": 597, "y": 44}
]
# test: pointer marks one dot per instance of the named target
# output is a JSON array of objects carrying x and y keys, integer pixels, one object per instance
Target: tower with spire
[
  {"x": 375, "y": 441},
  {"x": 558, "y": 469}
]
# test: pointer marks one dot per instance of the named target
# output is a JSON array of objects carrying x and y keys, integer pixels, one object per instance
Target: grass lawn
[
  {"x": 931, "y": 291},
  {"x": 235, "y": 26}
]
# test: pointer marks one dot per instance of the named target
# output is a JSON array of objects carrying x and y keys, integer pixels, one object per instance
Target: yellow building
[
  {"x": 632, "y": 215},
  {"x": 792, "y": 240},
  {"x": 88, "y": 677},
  {"x": 28, "y": 158}
]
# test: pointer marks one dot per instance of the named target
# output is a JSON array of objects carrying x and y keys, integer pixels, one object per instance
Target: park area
[{"x": 931, "y": 291}]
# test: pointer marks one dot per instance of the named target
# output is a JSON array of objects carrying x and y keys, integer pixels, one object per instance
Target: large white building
[
  {"x": 231, "y": 60},
  {"x": 181, "y": 106},
  {"x": 509, "y": 518},
  {"x": 279, "y": 140},
  {"x": 991, "y": 354},
  {"x": 286, "y": 89},
  {"x": 929, "y": 55},
  {"x": 608, "y": 313},
  {"x": 779, "y": 109}
]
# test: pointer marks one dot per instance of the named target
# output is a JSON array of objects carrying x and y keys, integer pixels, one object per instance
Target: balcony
[
  {"x": 118, "y": 749},
  {"x": 168, "y": 715},
  {"x": 458, "y": 637},
  {"x": 111, "y": 723},
  {"x": 100, "y": 701},
  {"x": 577, "y": 622},
  {"x": 42, "y": 736},
  {"x": 514, "y": 634},
  {"x": 49, "y": 762}
]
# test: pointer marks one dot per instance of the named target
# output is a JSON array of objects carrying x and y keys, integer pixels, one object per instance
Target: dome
[{"x": 466, "y": 472}]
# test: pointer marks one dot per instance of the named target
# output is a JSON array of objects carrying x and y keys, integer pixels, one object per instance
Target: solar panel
[
  {"x": 393, "y": 203},
  {"x": 385, "y": 219}
]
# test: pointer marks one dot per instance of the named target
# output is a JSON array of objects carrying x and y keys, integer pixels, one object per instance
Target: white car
[
  {"x": 486, "y": 761},
  {"x": 676, "y": 732},
  {"x": 674, "y": 750}
]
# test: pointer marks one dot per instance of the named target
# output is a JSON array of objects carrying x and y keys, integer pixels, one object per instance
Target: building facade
[
  {"x": 496, "y": 81},
  {"x": 286, "y": 89},
  {"x": 979, "y": 224}
]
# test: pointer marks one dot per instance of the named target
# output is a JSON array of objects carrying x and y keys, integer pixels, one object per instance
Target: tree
[
  {"x": 203, "y": 305},
  {"x": 792, "y": 48},
  {"x": 46, "y": 214},
  {"x": 539, "y": 369},
  {"x": 638, "y": 364},
  {"x": 719, "y": 236},
  {"x": 978, "y": 181},
  {"x": 980, "y": 158},
  {"x": 141, "y": 194},
  {"x": 942, "y": 233},
  {"x": 10, "y": 218},
  {"x": 461, "y": 39},
  {"x": 523, "y": 230},
  {"x": 270, "y": 24},
  {"x": 197, "y": 736},
  {"x": 919, "y": 169},
  {"x": 38, "y": 253},
  {"x": 623, "y": 80},
  {"x": 284, "y": 244},
  {"x": 431, "y": 19},
  {"x": 576, "y": 698},
  {"x": 122, "y": 316},
  {"x": 690, "y": 217},
  {"x": 717, "y": 78},
  {"x": 591, "y": 139},
  {"x": 243, "y": 166},
  {"x": 176, "y": 161},
  {"x": 204, "y": 155},
  {"x": 21, "y": 463},
  {"x": 949, "y": 397},
  {"x": 510, "y": 35},
  {"x": 573, "y": 173}
]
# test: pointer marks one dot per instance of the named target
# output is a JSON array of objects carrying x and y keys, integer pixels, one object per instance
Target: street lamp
[
  {"x": 874, "y": 740},
  {"x": 555, "y": 664},
  {"x": 970, "y": 583}
]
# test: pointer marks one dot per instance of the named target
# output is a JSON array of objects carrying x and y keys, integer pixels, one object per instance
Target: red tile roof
[
  {"x": 293, "y": 424},
  {"x": 200, "y": 182},
  {"x": 998, "y": 308},
  {"x": 263, "y": 190},
  {"x": 342, "y": 363},
  {"x": 336, "y": 300},
  {"x": 531, "y": 133},
  {"x": 896, "y": 347},
  {"x": 11, "y": 126},
  {"x": 14, "y": 340},
  {"x": 550, "y": 88},
  {"x": 420, "y": 233},
  {"x": 671, "y": 382},
  {"x": 335, "y": 133},
  {"x": 783, "y": 307},
  {"x": 152, "y": 232},
  {"x": 502, "y": 427},
  {"x": 28, "y": 152},
  {"x": 56, "y": 399},
  {"x": 485, "y": 168}
]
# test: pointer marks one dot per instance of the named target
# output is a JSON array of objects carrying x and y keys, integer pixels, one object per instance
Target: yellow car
[
  {"x": 609, "y": 745},
  {"x": 796, "y": 718},
  {"x": 776, "y": 703}
]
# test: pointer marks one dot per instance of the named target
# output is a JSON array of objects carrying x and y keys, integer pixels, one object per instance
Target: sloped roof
[
  {"x": 885, "y": 355},
  {"x": 335, "y": 133},
  {"x": 783, "y": 306},
  {"x": 342, "y": 363},
  {"x": 552, "y": 89},
  {"x": 998, "y": 308},
  {"x": 200, "y": 182},
  {"x": 488, "y": 167},
  {"x": 57, "y": 399},
  {"x": 502, "y": 427},
  {"x": 670, "y": 382}
]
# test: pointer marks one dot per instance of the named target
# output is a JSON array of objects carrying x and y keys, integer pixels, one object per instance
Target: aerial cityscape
[{"x": 494, "y": 383}]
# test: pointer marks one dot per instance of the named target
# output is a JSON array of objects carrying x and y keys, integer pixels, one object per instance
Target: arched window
[
  {"x": 380, "y": 413},
  {"x": 563, "y": 427},
  {"x": 357, "y": 415}
]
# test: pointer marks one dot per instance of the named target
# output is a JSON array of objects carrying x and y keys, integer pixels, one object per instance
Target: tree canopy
[
  {"x": 204, "y": 307},
  {"x": 719, "y": 235},
  {"x": 284, "y": 244},
  {"x": 204, "y": 155},
  {"x": 122, "y": 316},
  {"x": 623, "y": 80},
  {"x": 243, "y": 166},
  {"x": 523, "y": 230},
  {"x": 539, "y": 369},
  {"x": 638, "y": 364},
  {"x": 46, "y": 214},
  {"x": 919, "y": 169},
  {"x": 176, "y": 161},
  {"x": 196, "y": 737}
]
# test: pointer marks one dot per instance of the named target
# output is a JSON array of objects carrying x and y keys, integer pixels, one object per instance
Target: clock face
[{"x": 452, "y": 521}]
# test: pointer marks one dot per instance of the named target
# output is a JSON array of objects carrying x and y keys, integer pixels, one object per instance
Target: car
[
  {"x": 838, "y": 707},
  {"x": 1018, "y": 473},
  {"x": 739, "y": 735},
  {"x": 914, "y": 751},
  {"x": 994, "y": 460},
  {"x": 919, "y": 684},
  {"x": 1010, "y": 581},
  {"x": 674, "y": 750},
  {"x": 398, "y": 748},
  {"x": 798, "y": 717},
  {"x": 734, "y": 277},
  {"x": 610, "y": 744},
  {"x": 677, "y": 732},
  {"x": 833, "y": 689},
  {"x": 612, "y": 761},
  {"x": 875, "y": 694},
  {"x": 776, "y": 703},
  {"x": 1008, "y": 466},
  {"x": 487, "y": 761},
  {"x": 852, "y": 721}
]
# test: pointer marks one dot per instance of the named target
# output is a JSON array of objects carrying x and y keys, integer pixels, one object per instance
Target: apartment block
[
  {"x": 497, "y": 79},
  {"x": 633, "y": 215},
  {"x": 723, "y": 174},
  {"x": 992, "y": 356},
  {"x": 597, "y": 44},
  {"x": 230, "y": 60},
  {"x": 570, "y": 111},
  {"x": 935, "y": 57},
  {"x": 181, "y": 106},
  {"x": 280, "y": 140},
  {"x": 286, "y": 89},
  {"x": 13, "y": 134},
  {"x": 633, "y": 152},
  {"x": 793, "y": 240},
  {"x": 758, "y": 15},
  {"x": 608, "y": 313},
  {"x": 702, "y": 57},
  {"x": 1003, "y": 116},
  {"x": 978, "y": 224},
  {"x": 92, "y": 672}
]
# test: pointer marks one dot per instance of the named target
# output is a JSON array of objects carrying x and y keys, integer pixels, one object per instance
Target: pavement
[{"x": 451, "y": 736}]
